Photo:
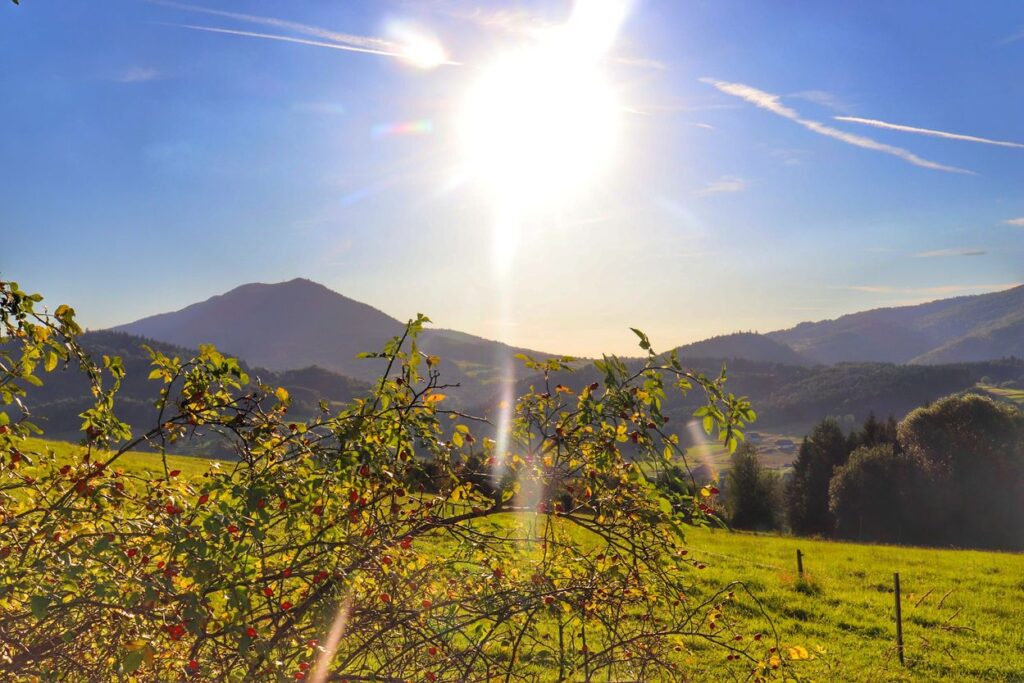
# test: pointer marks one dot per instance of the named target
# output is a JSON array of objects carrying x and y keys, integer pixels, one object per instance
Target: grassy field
[
  {"x": 1008, "y": 393},
  {"x": 962, "y": 610},
  {"x": 136, "y": 462}
]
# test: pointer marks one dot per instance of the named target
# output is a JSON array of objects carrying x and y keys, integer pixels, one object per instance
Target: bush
[{"x": 362, "y": 544}]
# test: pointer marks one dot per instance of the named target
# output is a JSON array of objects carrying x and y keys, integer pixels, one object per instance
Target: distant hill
[
  {"x": 745, "y": 345},
  {"x": 65, "y": 393},
  {"x": 300, "y": 323},
  {"x": 790, "y": 396},
  {"x": 967, "y": 328}
]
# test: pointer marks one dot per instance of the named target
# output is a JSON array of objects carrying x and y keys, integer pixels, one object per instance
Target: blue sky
[{"x": 147, "y": 165}]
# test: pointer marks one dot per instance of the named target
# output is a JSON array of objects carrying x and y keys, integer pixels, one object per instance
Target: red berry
[
  {"x": 286, "y": 605},
  {"x": 193, "y": 664},
  {"x": 173, "y": 473},
  {"x": 251, "y": 632},
  {"x": 203, "y": 499},
  {"x": 548, "y": 600},
  {"x": 385, "y": 598},
  {"x": 268, "y": 591},
  {"x": 426, "y": 603}
]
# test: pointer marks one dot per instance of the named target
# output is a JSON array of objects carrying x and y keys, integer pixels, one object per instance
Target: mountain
[
  {"x": 300, "y": 323},
  {"x": 967, "y": 328},
  {"x": 745, "y": 345}
]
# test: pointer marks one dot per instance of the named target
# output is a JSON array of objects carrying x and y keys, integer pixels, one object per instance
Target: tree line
[{"x": 948, "y": 474}]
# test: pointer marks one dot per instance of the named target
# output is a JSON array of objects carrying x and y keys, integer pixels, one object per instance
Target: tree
[
  {"x": 358, "y": 544},
  {"x": 752, "y": 492},
  {"x": 871, "y": 497},
  {"x": 807, "y": 498},
  {"x": 972, "y": 449}
]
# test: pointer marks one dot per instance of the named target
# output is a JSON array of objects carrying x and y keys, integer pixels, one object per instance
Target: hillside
[
  {"x": 787, "y": 396},
  {"x": 745, "y": 345},
  {"x": 63, "y": 395},
  {"x": 300, "y": 323},
  {"x": 968, "y": 328}
]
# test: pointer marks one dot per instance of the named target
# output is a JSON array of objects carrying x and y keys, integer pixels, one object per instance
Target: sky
[{"x": 545, "y": 173}]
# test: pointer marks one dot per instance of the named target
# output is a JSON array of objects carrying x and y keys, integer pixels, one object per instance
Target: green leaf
[
  {"x": 132, "y": 661},
  {"x": 51, "y": 360},
  {"x": 40, "y": 604}
]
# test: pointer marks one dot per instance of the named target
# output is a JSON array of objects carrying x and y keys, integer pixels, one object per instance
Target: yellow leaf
[
  {"x": 281, "y": 393},
  {"x": 799, "y": 652},
  {"x": 434, "y": 398},
  {"x": 705, "y": 492}
]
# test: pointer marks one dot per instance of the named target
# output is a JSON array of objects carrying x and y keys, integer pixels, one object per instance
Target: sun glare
[{"x": 539, "y": 124}]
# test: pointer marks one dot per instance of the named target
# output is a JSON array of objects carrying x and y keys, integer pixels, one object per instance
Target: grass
[
  {"x": 1007, "y": 393},
  {"x": 962, "y": 619},
  {"x": 961, "y": 608},
  {"x": 133, "y": 462}
]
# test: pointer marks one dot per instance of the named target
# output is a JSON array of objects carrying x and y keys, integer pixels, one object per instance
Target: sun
[{"x": 540, "y": 123}]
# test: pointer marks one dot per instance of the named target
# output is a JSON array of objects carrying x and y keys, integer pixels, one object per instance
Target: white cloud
[
  {"x": 940, "y": 253},
  {"x": 1018, "y": 222},
  {"x": 927, "y": 131},
  {"x": 725, "y": 184},
  {"x": 773, "y": 103},
  {"x": 138, "y": 74}
]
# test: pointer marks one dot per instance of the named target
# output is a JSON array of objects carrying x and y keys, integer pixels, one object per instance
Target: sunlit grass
[{"x": 961, "y": 614}]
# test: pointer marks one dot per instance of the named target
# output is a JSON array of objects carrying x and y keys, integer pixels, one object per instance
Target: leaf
[
  {"x": 435, "y": 398},
  {"x": 799, "y": 652},
  {"x": 51, "y": 360},
  {"x": 40, "y": 604},
  {"x": 281, "y": 393},
  {"x": 132, "y": 661}
]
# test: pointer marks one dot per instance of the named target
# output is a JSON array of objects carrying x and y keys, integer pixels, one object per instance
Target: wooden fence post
[
  {"x": 899, "y": 617},
  {"x": 799, "y": 563}
]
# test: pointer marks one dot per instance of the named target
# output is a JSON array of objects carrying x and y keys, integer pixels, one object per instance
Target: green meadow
[{"x": 963, "y": 610}]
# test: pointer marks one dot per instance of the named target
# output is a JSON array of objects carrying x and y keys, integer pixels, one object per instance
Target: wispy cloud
[
  {"x": 725, "y": 184},
  {"x": 138, "y": 74},
  {"x": 1011, "y": 39},
  {"x": 1018, "y": 222},
  {"x": 822, "y": 97},
  {"x": 515, "y": 22},
  {"x": 942, "y": 253},
  {"x": 941, "y": 290},
  {"x": 927, "y": 131},
  {"x": 773, "y": 103}
]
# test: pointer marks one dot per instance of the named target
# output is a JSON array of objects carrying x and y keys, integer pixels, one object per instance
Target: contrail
[
  {"x": 316, "y": 36},
  {"x": 773, "y": 103},
  {"x": 288, "y": 39},
  {"x": 927, "y": 131},
  {"x": 314, "y": 31}
]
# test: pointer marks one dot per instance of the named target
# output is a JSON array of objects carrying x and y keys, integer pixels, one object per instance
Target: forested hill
[
  {"x": 64, "y": 394},
  {"x": 787, "y": 395},
  {"x": 967, "y": 328}
]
